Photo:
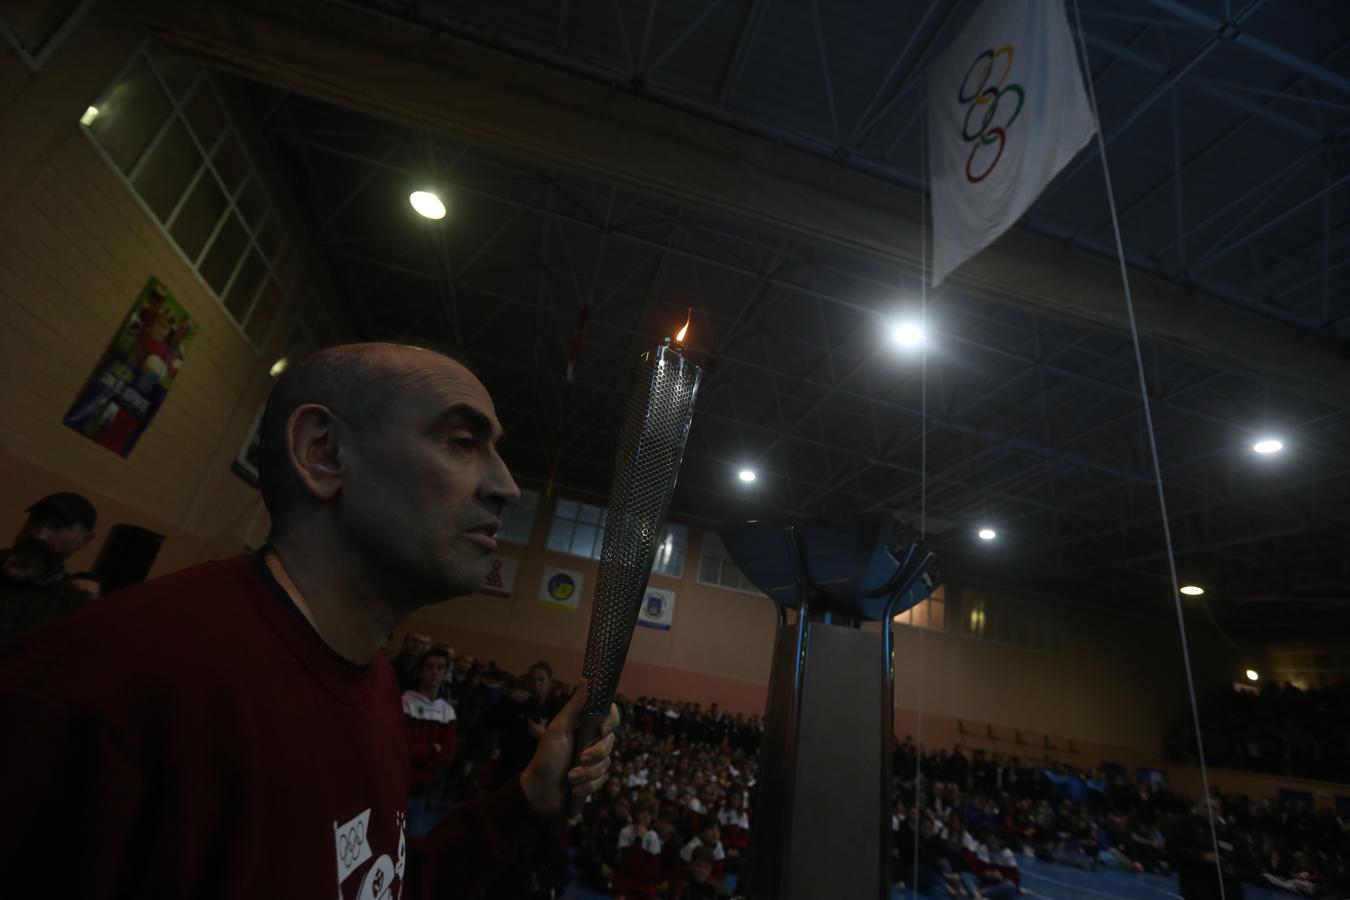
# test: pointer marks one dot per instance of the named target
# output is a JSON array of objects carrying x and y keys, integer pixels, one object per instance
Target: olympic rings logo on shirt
[
  {"x": 985, "y": 97},
  {"x": 349, "y": 843}
]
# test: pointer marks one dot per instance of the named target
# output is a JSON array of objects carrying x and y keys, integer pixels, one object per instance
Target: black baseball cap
[{"x": 70, "y": 507}]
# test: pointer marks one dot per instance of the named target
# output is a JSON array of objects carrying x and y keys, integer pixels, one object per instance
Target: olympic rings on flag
[{"x": 983, "y": 95}]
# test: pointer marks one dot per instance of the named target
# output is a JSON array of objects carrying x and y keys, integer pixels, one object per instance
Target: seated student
[
  {"x": 431, "y": 738},
  {"x": 989, "y": 877},
  {"x": 700, "y": 886},
  {"x": 639, "y": 859},
  {"x": 604, "y": 849},
  {"x": 667, "y": 830},
  {"x": 735, "y": 825}
]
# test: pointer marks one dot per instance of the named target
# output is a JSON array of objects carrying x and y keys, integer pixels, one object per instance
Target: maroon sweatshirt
[{"x": 194, "y": 737}]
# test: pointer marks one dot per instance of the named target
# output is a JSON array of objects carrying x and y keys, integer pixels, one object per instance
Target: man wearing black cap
[{"x": 34, "y": 584}]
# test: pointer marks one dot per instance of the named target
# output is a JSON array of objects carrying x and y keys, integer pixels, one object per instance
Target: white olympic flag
[{"x": 1007, "y": 110}]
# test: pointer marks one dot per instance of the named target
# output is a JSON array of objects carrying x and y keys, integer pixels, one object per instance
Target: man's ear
[
  {"x": 88, "y": 536},
  {"x": 312, "y": 449}
]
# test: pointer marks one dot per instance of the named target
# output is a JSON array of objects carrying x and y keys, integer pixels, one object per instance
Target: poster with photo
[
  {"x": 658, "y": 608},
  {"x": 560, "y": 588},
  {"x": 136, "y": 373}
]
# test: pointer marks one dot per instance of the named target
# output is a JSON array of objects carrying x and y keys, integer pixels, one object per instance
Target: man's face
[
  {"x": 540, "y": 682},
  {"x": 423, "y": 489},
  {"x": 416, "y": 644},
  {"x": 700, "y": 871},
  {"x": 43, "y": 544},
  {"x": 432, "y": 670},
  {"x": 463, "y": 664}
]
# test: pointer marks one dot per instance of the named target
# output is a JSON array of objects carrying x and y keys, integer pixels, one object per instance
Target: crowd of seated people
[
  {"x": 1278, "y": 730},
  {"x": 979, "y": 813},
  {"x": 673, "y": 821}
]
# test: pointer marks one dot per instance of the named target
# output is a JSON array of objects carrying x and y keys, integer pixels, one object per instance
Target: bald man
[{"x": 230, "y": 730}]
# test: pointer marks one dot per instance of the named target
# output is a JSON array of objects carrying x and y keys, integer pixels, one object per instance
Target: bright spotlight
[
  {"x": 1253, "y": 675},
  {"x": 908, "y": 334},
  {"x": 747, "y": 475},
  {"x": 89, "y": 116},
  {"x": 987, "y": 534},
  {"x": 278, "y": 367},
  {"x": 1192, "y": 590},
  {"x": 1268, "y": 445},
  {"x": 428, "y": 204}
]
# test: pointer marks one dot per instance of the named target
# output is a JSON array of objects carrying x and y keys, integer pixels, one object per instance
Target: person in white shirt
[
  {"x": 640, "y": 832},
  {"x": 710, "y": 837}
]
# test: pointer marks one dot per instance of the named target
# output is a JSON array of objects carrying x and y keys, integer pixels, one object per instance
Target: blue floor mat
[
  {"x": 1056, "y": 882},
  {"x": 1067, "y": 883}
]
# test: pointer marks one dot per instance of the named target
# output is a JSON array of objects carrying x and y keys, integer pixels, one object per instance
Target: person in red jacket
[
  {"x": 230, "y": 730},
  {"x": 431, "y": 737}
]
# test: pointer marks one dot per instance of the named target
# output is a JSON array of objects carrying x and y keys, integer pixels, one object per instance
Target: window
[
  {"x": 930, "y": 614},
  {"x": 518, "y": 519},
  {"x": 670, "y": 551},
  {"x": 1012, "y": 621},
  {"x": 578, "y": 529},
  {"x": 164, "y": 127},
  {"x": 716, "y": 568}
]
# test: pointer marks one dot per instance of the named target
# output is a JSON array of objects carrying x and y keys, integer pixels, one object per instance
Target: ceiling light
[
  {"x": 1253, "y": 675},
  {"x": 1192, "y": 590},
  {"x": 278, "y": 367},
  {"x": 428, "y": 204},
  {"x": 89, "y": 116},
  {"x": 908, "y": 334},
  {"x": 987, "y": 534},
  {"x": 747, "y": 475},
  {"x": 1268, "y": 445}
]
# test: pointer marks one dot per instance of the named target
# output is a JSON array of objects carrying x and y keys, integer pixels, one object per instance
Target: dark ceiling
[{"x": 1227, "y": 148}]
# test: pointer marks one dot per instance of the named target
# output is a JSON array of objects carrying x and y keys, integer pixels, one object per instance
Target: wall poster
[{"x": 136, "y": 373}]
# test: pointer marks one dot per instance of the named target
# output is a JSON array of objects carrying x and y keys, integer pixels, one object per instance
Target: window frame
[
  {"x": 205, "y": 168},
  {"x": 702, "y": 554}
]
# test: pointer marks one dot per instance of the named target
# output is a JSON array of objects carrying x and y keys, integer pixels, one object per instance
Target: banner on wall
[
  {"x": 658, "y": 608},
  {"x": 560, "y": 588},
  {"x": 140, "y": 366},
  {"x": 501, "y": 577}
]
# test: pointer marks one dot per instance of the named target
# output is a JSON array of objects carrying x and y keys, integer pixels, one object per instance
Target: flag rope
[
  {"x": 1210, "y": 813},
  {"x": 923, "y": 476}
]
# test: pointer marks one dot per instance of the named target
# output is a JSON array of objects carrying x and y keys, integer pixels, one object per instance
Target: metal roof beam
[
  {"x": 1231, "y": 30},
  {"x": 520, "y": 108}
]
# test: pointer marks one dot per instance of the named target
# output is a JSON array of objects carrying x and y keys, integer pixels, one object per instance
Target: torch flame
[{"x": 689, "y": 317}]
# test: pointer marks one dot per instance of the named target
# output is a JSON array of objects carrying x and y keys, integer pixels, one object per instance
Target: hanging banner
[
  {"x": 136, "y": 373},
  {"x": 1007, "y": 110},
  {"x": 658, "y": 608},
  {"x": 560, "y": 588},
  {"x": 501, "y": 577}
]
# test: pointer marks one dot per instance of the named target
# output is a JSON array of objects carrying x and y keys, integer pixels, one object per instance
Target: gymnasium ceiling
[{"x": 1226, "y": 124}]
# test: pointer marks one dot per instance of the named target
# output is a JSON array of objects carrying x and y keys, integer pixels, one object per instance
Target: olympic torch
[{"x": 651, "y": 446}]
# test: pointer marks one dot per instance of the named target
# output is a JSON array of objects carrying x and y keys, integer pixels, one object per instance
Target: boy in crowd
[{"x": 431, "y": 738}]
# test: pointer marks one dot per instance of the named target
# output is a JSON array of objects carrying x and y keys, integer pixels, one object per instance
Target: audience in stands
[
  {"x": 1278, "y": 730},
  {"x": 34, "y": 584},
  {"x": 673, "y": 821}
]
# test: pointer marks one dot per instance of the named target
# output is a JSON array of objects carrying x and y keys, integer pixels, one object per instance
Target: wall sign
[
  {"x": 658, "y": 608},
  {"x": 560, "y": 588},
  {"x": 501, "y": 577}
]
